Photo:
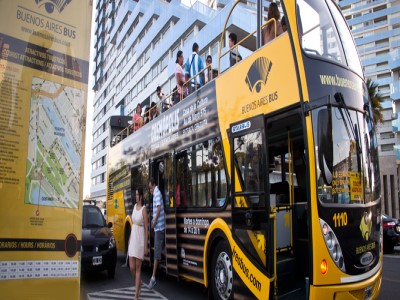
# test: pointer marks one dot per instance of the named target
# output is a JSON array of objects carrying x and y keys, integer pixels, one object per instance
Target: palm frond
[{"x": 376, "y": 100}]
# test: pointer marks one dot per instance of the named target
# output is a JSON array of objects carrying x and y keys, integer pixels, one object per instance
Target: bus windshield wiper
[{"x": 347, "y": 120}]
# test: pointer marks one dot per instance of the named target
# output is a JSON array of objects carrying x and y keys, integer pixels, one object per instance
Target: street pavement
[
  {"x": 99, "y": 287},
  {"x": 96, "y": 286}
]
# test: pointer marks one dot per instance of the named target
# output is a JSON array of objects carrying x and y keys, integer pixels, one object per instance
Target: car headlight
[
  {"x": 112, "y": 242},
  {"x": 332, "y": 244}
]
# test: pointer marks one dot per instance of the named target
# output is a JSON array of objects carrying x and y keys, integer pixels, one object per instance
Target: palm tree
[{"x": 376, "y": 99}]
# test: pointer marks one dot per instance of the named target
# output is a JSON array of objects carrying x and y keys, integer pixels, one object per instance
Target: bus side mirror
[{"x": 325, "y": 145}]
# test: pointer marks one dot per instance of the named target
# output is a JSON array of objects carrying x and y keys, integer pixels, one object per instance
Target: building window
[
  {"x": 387, "y": 147},
  {"x": 387, "y": 135},
  {"x": 188, "y": 37}
]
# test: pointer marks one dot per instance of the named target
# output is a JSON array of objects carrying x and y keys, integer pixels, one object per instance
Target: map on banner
[{"x": 55, "y": 139}]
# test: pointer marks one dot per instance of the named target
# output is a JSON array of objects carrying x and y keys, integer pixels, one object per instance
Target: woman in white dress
[{"x": 138, "y": 240}]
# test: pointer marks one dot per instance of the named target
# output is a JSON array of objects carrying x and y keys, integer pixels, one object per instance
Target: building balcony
[
  {"x": 394, "y": 59},
  {"x": 375, "y": 48},
  {"x": 395, "y": 91},
  {"x": 374, "y": 71},
  {"x": 110, "y": 9},
  {"x": 100, "y": 45},
  {"x": 374, "y": 60},
  {"x": 126, "y": 8},
  {"x": 365, "y": 28},
  {"x": 100, "y": 59},
  {"x": 102, "y": 15}
]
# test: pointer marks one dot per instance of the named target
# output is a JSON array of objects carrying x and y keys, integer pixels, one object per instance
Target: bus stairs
[{"x": 288, "y": 285}]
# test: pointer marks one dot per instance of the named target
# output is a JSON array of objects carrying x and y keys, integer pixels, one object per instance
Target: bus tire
[{"x": 221, "y": 277}]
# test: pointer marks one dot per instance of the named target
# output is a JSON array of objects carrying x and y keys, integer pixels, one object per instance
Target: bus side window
[
  {"x": 200, "y": 176},
  {"x": 182, "y": 177}
]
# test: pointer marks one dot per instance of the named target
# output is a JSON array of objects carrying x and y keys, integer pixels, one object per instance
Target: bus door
[
  {"x": 251, "y": 225},
  {"x": 269, "y": 210},
  {"x": 163, "y": 174},
  {"x": 287, "y": 181}
]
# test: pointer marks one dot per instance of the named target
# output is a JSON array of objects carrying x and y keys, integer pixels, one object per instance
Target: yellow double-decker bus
[{"x": 269, "y": 172}]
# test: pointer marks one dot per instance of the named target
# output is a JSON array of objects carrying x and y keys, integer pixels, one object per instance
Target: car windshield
[
  {"x": 346, "y": 156},
  {"x": 92, "y": 217}
]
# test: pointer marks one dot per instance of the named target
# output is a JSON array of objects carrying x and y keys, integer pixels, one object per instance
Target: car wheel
[
  {"x": 111, "y": 272},
  {"x": 221, "y": 272}
]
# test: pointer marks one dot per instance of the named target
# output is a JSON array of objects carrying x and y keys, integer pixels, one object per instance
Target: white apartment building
[
  {"x": 375, "y": 25},
  {"x": 135, "y": 49}
]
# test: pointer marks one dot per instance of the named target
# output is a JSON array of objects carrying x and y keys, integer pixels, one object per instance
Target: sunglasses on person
[{"x": 209, "y": 61}]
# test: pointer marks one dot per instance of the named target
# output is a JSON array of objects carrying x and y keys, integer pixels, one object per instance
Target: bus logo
[
  {"x": 240, "y": 127},
  {"x": 49, "y": 5},
  {"x": 258, "y": 74},
  {"x": 365, "y": 226},
  {"x": 366, "y": 258}
]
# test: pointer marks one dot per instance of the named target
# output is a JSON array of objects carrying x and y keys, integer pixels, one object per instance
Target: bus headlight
[
  {"x": 329, "y": 241},
  {"x": 332, "y": 244}
]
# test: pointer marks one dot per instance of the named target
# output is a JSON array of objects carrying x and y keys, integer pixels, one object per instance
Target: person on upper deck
[
  {"x": 137, "y": 120},
  {"x": 164, "y": 103},
  {"x": 147, "y": 115},
  {"x": 268, "y": 31},
  {"x": 209, "y": 71},
  {"x": 234, "y": 55},
  {"x": 181, "y": 92},
  {"x": 283, "y": 23},
  {"x": 153, "y": 111},
  {"x": 194, "y": 65}
]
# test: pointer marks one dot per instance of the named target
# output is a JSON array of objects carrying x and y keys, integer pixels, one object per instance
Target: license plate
[
  {"x": 97, "y": 260},
  {"x": 368, "y": 293}
]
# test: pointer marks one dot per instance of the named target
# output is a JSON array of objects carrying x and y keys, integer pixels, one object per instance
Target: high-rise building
[
  {"x": 375, "y": 25},
  {"x": 135, "y": 51}
]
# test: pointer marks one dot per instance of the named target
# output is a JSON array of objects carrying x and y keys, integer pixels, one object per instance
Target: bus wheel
[{"x": 221, "y": 272}]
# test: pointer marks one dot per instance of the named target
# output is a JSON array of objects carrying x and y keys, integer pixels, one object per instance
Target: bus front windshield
[
  {"x": 323, "y": 33},
  {"x": 346, "y": 156}
]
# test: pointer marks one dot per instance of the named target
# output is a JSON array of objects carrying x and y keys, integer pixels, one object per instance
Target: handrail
[
  {"x": 223, "y": 35},
  {"x": 241, "y": 41},
  {"x": 274, "y": 278}
]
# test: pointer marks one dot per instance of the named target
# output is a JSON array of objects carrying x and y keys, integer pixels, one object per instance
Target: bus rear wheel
[{"x": 221, "y": 272}]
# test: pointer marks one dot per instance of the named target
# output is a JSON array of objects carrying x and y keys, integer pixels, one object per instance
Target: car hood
[{"x": 89, "y": 235}]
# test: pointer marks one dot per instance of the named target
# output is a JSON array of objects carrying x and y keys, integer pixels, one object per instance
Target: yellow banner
[
  {"x": 356, "y": 187},
  {"x": 44, "y": 60}
]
